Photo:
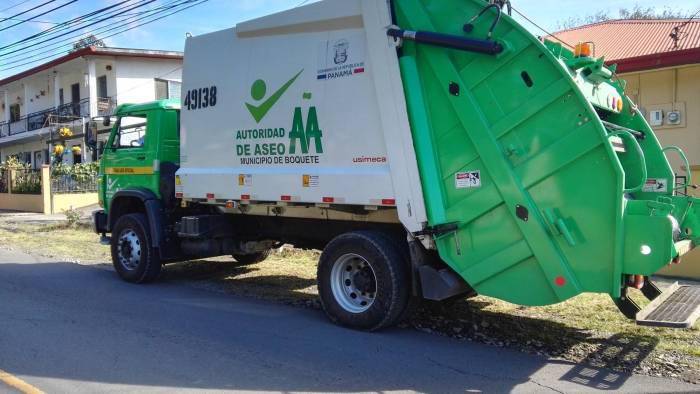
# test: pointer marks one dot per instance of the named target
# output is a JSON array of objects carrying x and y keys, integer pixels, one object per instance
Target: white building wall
[
  {"x": 136, "y": 78},
  {"x": 16, "y": 149},
  {"x": 40, "y": 97},
  {"x": 129, "y": 80}
]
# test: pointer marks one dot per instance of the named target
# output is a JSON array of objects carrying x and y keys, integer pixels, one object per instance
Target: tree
[
  {"x": 89, "y": 41},
  {"x": 637, "y": 12}
]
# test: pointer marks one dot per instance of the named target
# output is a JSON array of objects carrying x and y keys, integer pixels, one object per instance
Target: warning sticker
[
  {"x": 310, "y": 181},
  {"x": 659, "y": 185},
  {"x": 468, "y": 180},
  {"x": 245, "y": 180}
]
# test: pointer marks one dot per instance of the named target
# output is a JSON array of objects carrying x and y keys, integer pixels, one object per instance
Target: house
[
  {"x": 660, "y": 61},
  {"x": 70, "y": 91}
]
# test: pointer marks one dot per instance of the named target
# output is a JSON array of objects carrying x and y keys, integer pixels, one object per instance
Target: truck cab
[{"x": 137, "y": 169}]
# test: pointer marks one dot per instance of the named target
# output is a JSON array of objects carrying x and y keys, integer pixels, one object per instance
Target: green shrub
[{"x": 72, "y": 217}]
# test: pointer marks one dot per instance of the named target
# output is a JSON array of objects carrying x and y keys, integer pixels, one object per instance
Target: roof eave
[
  {"x": 91, "y": 51},
  {"x": 657, "y": 60}
]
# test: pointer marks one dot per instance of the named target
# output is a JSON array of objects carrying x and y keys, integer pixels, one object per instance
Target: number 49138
[{"x": 200, "y": 98}]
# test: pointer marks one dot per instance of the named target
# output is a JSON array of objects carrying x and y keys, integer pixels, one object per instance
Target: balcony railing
[
  {"x": 18, "y": 127},
  {"x": 67, "y": 112},
  {"x": 78, "y": 109},
  {"x": 106, "y": 106}
]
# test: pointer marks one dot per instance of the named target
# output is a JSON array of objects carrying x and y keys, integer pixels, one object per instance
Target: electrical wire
[
  {"x": 29, "y": 10},
  {"x": 197, "y": 2},
  {"x": 101, "y": 30},
  {"x": 39, "y": 15},
  {"x": 58, "y": 27},
  {"x": 15, "y": 5},
  {"x": 32, "y": 20},
  {"x": 542, "y": 28},
  {"x": 7, "y": 60},
  {"x": 677, "y": 30},
  {"x": 74, "y": 30}
]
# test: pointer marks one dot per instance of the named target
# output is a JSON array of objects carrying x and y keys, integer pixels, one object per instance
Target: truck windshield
[{"x": 131, "y": 132}]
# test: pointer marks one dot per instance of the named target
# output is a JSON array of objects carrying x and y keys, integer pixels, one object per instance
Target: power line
[
  {"x": 39, "y": 15},
  {"x": 676, "y": 31},
  {"x": 29, "y": 10},
  {"x": 16, "y": 5},
  {"x": 54, "y": 31},
  {"x": 127, "y": 21},
  {"x": 197, "y": 2},
  {"x": 31, "y": 20},
  {"x": 67, "y": 41},
  {"x": 542, "y": 28},
  {"x": 74, "y": 30},
  {"x": 50, "y": 29}
]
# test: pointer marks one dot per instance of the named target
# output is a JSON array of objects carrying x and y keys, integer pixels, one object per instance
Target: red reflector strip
[
  {"x": 179, "y": 195},
  {"x": 388, "y": 201},
  {"x": 286, "y": 198},
  {"x": 211, "y": 196},
  {"x": 245, "y": 196},
  {"x": 328, "y": 199}
]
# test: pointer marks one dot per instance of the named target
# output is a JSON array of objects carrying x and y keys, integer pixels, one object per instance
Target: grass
[{"x": 587, "y": 329}]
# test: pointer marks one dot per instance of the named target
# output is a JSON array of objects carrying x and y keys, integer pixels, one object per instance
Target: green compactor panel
[{"x": 551, "y": 178}]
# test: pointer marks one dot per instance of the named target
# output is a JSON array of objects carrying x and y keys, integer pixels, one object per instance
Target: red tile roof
[{"x": 637, "y": 45}]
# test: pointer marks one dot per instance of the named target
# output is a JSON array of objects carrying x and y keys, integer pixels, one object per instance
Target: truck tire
[
  {"x": 364, "y": 281},
  {"x": 248, "y": 259},
  {"x": 133, "y": 257}
]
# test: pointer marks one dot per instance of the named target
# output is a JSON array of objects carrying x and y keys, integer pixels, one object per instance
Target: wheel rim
[
  {"x": 354, "y": 283},
  {"x": 129, "y": 249}
]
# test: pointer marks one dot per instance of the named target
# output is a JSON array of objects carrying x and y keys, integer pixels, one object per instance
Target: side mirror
[{"x": 107, "y": 121}]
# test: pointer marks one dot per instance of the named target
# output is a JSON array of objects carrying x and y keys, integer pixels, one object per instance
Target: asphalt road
[{"x": 72, "y": 328}]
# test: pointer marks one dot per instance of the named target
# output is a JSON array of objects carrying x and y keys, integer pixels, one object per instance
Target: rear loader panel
[{"x": 512, "y": 152}]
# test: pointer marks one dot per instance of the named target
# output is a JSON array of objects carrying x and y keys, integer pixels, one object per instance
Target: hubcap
[
  {"x": 353, "y": 283},
  {"x": 129, "y": 249}
]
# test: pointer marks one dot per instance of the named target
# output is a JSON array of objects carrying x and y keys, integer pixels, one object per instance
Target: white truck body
[{"x": 302, "y": 107}]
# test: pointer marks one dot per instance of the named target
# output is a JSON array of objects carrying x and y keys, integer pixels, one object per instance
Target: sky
[{"x": 169, "y": 33}]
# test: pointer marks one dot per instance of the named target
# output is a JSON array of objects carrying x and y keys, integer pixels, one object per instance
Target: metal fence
[
  {"x": 26, "y": 182},
  {"x": 70, "y": 184},
  {"x": 68, "y": 112},
  {"x": 4, "y": 176},
  {"x": 38, "y": 120}
]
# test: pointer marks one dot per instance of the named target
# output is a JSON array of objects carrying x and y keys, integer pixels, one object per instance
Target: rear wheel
[
  {"x": 133, "y": 257},
  {"x": 364, "y": 281},
  {"x": 254, "y": 258}
]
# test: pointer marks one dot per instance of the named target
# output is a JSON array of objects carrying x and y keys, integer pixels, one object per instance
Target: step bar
[{"x": 677, "y": 307}]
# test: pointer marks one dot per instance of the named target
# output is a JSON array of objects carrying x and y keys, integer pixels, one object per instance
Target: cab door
[{"x": 130, "y": 153}]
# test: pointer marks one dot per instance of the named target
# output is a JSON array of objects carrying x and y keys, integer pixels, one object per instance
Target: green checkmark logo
[{"x": 258, "y": 91}]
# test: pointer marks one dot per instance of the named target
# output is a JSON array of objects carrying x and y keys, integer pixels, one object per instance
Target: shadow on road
[{"x": 71, "y": 322}]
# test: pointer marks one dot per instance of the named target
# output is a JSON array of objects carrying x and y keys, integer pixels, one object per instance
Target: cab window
[{"x": 131, "y": 132}]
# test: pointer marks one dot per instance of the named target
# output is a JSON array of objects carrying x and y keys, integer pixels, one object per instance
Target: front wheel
[
  {"x": 133, "y": 257},
  {"x": 364, "y": 281}
]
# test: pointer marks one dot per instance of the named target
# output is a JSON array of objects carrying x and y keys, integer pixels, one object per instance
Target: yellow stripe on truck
[{"x": 129, "y": 171}]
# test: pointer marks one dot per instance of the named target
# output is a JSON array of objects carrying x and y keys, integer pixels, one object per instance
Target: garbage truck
[{"x": 432, "y": 149}]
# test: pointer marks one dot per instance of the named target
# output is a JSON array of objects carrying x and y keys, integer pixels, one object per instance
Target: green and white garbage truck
[{"x": 431, "y": 148}]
